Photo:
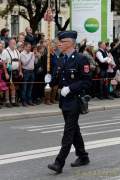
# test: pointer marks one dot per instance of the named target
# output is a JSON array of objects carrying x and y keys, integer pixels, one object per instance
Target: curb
[{"x": 19, "y": 116}]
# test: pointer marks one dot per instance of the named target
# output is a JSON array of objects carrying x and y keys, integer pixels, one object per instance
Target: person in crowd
[
  {"x": 2, "y": 46},
  {"x": 39, "y": 36},
  {"x": 13, "y": 73},
  {"x": 36, "y": 94},
  {"x": 111, "y": 72},
  {"x": 82, "y": 45},
  {"x": 111, "y": 66},
  {"x": 30, "y": 38},
  {"x": 3, "y": 85},
  {"x": 115, "y": 51},
  {"x": 55, "y": 56},
  {"x": 42, "y": 36},
  {"x": 42, "y": 64},
  {"x": 5, "y": 36},
  {"x": 21, "y": 38},
  {"x": 104, "y": 60},
  {"x": 90, "y": 53},
  {"x": 20, "y": 46},
  {"x": 27, "y": 60}
]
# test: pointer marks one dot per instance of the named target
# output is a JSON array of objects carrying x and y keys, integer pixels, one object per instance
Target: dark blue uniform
[{"x": 74, "y": 73}]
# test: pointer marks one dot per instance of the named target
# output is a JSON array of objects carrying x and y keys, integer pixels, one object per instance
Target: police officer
[{"x": 75, "y": 79}]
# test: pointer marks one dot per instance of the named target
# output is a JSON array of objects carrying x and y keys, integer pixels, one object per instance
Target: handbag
[{"x": 83, "y": 104}]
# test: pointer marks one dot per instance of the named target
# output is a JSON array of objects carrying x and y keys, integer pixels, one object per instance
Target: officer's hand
[{"x": 65, "y": 91}]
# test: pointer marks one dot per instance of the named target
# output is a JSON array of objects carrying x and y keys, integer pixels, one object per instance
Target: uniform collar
[{"x": 70, "y": 53}]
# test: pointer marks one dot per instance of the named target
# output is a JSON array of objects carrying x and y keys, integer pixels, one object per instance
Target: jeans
[{"x": 28, "y": 78}]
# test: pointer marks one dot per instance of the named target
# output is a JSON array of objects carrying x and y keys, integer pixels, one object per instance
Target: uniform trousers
[{"x": 71, "y": 135}]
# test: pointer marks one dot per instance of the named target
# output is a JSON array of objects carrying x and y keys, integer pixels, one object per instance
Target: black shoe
[
  {"x": 100, "y": 97},
  {"x": 24, "y": 104},
  {"x": 8, "y": 105},
  {"x": 15, "y": 104},
  {"x": 80, "y": 162},
  {"x": 55, "y": 167},
  {"x": 110, "y": 98},
  {"x": 31, "y": 104}
]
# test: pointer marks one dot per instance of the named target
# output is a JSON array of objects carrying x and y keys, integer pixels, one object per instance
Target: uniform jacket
[{"x": 76, "y": 74}]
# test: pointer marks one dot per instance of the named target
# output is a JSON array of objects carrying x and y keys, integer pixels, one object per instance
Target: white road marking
[
  {"x": 81, "y": 124},
  {"x": 114, "y": 178},
  {"x": 83, "y": 127},
  {"x": 58, "y": 124},
  {"x": 30, "y": 127},
  {"x": 117, "y": 116},
  {"x": 47, "y": 152},
  {"x": 101, "y": 132},
  {"x": 84, "y": 134}
]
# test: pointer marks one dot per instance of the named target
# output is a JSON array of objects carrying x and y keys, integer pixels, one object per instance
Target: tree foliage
[
  {"x": 33, "y": 11},
  {"x": 115, "y": 6}
]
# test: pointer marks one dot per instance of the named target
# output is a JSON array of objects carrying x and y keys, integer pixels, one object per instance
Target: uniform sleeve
[{"x": 85, "y": 82}]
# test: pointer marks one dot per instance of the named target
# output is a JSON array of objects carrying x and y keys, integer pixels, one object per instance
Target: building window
[
  {"x": 56, "y": 29},
  {"x": 14, "y": 25}
]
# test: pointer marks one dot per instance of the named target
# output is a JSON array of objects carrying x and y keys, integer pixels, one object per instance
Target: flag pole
[{"x": 49, "y": 18}]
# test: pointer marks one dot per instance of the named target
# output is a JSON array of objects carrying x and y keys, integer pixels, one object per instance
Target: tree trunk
[
  {"x": 34, "y": 25},
  {"x": 59, "y": 26}
]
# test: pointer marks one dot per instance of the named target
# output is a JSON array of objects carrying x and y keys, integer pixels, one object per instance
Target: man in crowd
[
  {"x": 30, "y": 38},
  {"x": 13, "y": 73},
  {"x": 27, "y": 60},
  {"x": 103, "y": 59}
]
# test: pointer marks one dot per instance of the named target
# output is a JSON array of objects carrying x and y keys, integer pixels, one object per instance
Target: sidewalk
[{"x": 45, "y": 110}]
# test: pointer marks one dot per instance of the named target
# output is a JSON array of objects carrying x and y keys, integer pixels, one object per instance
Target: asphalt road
[{"x": 28, "y": 145}]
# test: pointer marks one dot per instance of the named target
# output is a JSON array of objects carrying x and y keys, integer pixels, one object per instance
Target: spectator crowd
[{"x": 23, "y": 66}]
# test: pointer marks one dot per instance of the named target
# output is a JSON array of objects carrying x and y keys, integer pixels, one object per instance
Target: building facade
[{"x": 17, "y": 24}]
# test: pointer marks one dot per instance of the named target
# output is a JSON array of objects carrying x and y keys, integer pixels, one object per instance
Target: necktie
[{"x": 65, "y": 58}]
